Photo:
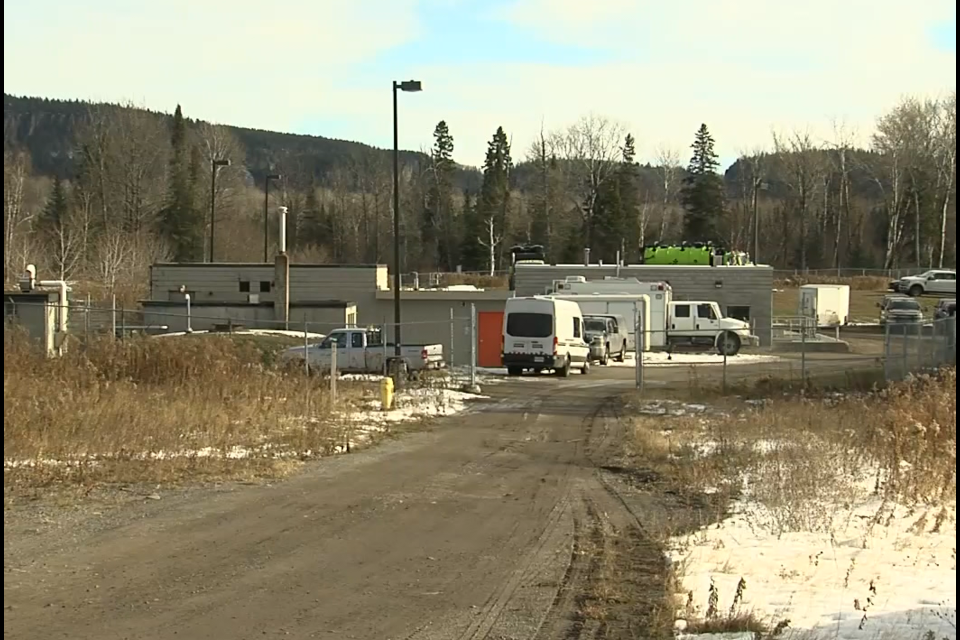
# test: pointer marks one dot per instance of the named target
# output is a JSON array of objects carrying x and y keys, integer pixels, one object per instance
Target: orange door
[{"x": 489, "y": 331}]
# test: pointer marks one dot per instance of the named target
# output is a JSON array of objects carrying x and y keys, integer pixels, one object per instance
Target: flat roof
[{"x": 235, "y": 265}]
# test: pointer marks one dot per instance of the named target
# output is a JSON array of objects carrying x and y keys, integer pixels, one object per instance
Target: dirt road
[{"x": 494, "y": 525}]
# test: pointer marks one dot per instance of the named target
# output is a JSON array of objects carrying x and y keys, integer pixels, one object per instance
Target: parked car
[
  {"x": 899, "y": 309},
  {"x": 607, "y": 337},
  {"x": 542, "y": 333},
  {"x": 934, "y": 282},
  {"x": 364, "y": 351},
  {"x": 946, "y": 308}
]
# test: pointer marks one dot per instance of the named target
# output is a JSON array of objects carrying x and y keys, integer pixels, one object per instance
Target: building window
[
  {"x": 264, "y": 286},
  {"x": 244, "y": 286},
  {"x": 739, "y": 312}
]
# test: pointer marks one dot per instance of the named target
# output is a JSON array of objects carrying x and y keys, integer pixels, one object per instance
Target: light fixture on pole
[
  {"x": 410, "y": 86},
  {"x": 215, "y": 165},
  {"x": 266, "y": 214}
]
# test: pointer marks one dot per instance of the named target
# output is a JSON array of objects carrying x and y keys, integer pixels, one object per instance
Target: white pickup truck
[
  {"x": 364, "y": 351},
  {"x": 699, "y": 323}
]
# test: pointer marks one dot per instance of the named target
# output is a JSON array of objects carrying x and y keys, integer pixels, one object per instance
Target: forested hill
[{"x": 47, "y": 130}]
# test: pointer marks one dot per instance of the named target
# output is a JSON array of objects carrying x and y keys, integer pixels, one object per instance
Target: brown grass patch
[{"x": 147, "y": 409}]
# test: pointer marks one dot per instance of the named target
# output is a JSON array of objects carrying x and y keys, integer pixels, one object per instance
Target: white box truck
[
  {"x": 666, "y": 322},
  {"x": 826, "y": 304}
]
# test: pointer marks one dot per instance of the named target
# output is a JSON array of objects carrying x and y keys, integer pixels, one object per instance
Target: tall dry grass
[
  {"x": 856, "y": 283},
  {"x": 148, "y": 409}
]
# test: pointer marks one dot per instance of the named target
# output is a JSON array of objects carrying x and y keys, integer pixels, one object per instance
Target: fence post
[
  {"x": 638, "y": 346},
  {"x": 306, "y": 350},
  {"x": 803, "y": 352},
  {"x": 887, "y": 353},
  {"x": 724, "y": 383},
  {"x": 86, "y": 321},
  {"x": 904, "y": 366},
  {"x": 333, "y": 372},
  {"x": 452, "y": 325},
  {"x": 123, "y": 322},
  {"x": 113, "y": 315},
  {"x": 473, "y": 345}
]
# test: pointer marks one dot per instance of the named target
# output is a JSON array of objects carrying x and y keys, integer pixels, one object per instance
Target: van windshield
[{"x": 530, "y": 325}]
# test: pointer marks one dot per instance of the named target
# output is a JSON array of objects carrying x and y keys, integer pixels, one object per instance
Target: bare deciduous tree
[
  {"x": 590, "y": 152},
  {"x": 802, "y": 171},
  {"x": 669, "y": 171},
  {"x": 16, "y": 218}
]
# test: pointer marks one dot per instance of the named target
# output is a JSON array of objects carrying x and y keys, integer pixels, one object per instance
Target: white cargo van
[{"x": 542, "y": 333}]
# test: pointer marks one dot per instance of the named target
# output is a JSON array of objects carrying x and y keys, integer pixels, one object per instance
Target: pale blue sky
[{"x": 745, "y": 67}]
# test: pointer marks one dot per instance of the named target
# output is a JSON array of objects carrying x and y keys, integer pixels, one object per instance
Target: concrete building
[
  {"x": 744, "y": 292},
  {"x": 327, "y": 297}
]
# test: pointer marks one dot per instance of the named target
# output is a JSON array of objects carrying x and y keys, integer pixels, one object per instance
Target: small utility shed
[
  {"x": 426, "y": 318},
  {"x": 744, "y": 292},
  {"x": 36, "y": 313}
]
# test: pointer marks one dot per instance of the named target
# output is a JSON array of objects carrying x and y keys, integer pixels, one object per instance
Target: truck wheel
[
  {"x": 605, "y": 358},
  {"x": 728, "y": 344},
  {"x": 622, "y": 356},
  {"x": 916, "y": 291},
  {"x": 514, "y": 371},
  {"x": 564, "y": 371}
]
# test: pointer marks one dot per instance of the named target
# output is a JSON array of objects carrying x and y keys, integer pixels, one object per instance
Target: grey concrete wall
[
  {"x": 220, "y": 282},
  {"x": 204, "y": 317},
  {"x": 426, "y": 319},
  {"x": 728, "y": 286}
]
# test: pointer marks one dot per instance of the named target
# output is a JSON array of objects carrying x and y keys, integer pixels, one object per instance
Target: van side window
[
  {"x": 681, "y": 311},
  {"x": 576, "y": 328}
]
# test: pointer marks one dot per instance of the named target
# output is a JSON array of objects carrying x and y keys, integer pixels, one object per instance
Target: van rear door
[{"x": 529, "y": 332}]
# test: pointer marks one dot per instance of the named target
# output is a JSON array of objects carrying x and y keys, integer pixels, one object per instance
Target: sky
[{"x": 746, "y": 68}]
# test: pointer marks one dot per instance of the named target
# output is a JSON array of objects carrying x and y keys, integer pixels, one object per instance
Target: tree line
[{"x": 113, "y": 189}]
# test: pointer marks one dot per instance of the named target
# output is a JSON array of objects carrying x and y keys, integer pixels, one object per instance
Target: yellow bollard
[{"x": 386, "y": 394}]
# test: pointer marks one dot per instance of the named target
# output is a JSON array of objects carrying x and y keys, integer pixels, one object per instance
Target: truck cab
[{"x": 701, "y": 323}]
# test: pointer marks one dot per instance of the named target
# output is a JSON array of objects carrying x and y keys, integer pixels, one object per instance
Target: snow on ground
[
  {"x": 415, "y": 404},
  {"x": 876, "y": 572},
  {"x": 249, "y": 332},
  {"x": 661, "y": 358}
]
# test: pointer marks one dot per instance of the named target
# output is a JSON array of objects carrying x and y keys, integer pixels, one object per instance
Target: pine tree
[
  {"x": 702, "y": 195},
  {"x": 181, "y": 223},
  {"x": 615, "y": 213},
  {"x": 491, "y": 207},
  {"x": 438, "y": 231},
  {"x": 56, "y": 209}
]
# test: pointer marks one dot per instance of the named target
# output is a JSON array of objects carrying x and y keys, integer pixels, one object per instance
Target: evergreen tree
[
  {"x": 181, "y": 222},
  {"x": 542, "y": 200},
  {"x": 438, "y": 230},
  {"x": 615, "y": 216},
  {"x": 56, "y": 209},
  {"x": 491, "y": 207},
  {"x": 702, "y": 194}
]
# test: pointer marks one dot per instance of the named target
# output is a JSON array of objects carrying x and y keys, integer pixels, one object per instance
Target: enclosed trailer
[{"x": 827, "y": 304}]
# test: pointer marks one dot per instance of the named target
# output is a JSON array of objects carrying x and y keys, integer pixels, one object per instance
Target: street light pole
[
  {"x": 409, "y": 86},
  {"x": 266, "y": 215},
  {"x": 215, "y": 165}
]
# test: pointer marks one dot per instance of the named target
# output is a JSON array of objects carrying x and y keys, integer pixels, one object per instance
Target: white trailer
[
  {"x": 608, "y": 285},
  {"x": 625, "y": 304},
  {"x": 826, "y": 304}
]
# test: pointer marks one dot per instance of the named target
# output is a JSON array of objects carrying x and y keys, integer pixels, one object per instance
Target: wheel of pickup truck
[
  {"x": 605, "y": 358},
  {"x": 915, "y": 291},
  {"x": 622, "y": 356},
  {"x": 514, "y": 371},
  {"x": 564, "y": 371},
  {"x": 728, "y": 344}
]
